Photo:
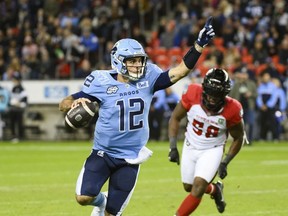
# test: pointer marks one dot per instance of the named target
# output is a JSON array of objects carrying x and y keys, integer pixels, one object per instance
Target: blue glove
[
  {"x": 206, "y": 34},
  {"x": 174, "y": 155},
  {"x": 222, "y": 170}
]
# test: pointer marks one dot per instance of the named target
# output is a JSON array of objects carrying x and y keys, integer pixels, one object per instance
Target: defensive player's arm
[
  {"x": 237, "y": 133},
  {"x": 174, "y": 122}
]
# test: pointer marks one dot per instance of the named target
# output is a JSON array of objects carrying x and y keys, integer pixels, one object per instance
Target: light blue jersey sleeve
[
  {"x": 122, "y": 127},
  {"x": 4, "y": 99}
]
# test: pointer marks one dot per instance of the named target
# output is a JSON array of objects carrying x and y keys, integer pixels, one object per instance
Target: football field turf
[{"x": 38, "y": 179}]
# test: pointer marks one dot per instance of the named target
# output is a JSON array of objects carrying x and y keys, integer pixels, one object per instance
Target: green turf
[{"x": 38, "y": 179}]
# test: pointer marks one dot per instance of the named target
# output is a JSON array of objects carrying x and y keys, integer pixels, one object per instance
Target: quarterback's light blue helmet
[{"x": 125, "y": 49}]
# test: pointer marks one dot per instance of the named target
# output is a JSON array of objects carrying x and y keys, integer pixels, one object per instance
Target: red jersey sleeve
[
  {"x": 233, "y": 112},
  {"x": 191, "y": 96}
]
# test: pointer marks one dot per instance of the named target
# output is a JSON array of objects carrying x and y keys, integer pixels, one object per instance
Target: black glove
[
  {"x": 206, "y": 34},
  {"x": 222, "y": 170},
  {"x": 174, "y": 156}
]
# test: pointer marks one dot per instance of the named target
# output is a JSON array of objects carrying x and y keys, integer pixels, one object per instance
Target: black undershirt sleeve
[
  {"x": 81, "y": 94},
  {"x": 163, "y": 81}
]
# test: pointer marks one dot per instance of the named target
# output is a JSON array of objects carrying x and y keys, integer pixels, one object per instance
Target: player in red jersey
[{"x": 211, "y": 115}]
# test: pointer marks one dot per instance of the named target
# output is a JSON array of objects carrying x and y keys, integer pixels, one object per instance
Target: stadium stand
[{"x": 49, "y": 40}]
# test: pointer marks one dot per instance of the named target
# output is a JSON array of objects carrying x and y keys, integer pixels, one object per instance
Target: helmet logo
[
  {"x": 114, "y": 49},
  {"x": 221, "y": 121}
]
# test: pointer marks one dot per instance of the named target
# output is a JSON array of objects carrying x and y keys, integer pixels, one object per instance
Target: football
[{"x": 80, "y": 115}]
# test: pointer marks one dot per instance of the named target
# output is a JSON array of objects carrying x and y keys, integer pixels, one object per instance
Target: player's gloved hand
[
  {"x": 222, "y": 170},
  {"x": 79, "y": 100},
  {"x": 174, "y": 155},
  {"x": 206, "y": 34}
]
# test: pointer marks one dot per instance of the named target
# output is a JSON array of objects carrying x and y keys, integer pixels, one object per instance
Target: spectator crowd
[{"x": 66, "y": 39}]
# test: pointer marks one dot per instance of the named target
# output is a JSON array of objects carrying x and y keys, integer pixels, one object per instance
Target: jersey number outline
[
  {"x": 132, "y": 125},
  {"x": 89, "y": 80},
  {"x": 212, "y": 131}
]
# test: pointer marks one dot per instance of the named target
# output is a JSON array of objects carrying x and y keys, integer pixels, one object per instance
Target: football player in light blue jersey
[{"x": 124, "y": 96}]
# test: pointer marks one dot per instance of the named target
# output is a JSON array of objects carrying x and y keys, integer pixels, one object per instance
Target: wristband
[
  {"x": 191, "y": 57},
  {"x": 173, "y": 142},
  {"x": 227, "y": 159}
]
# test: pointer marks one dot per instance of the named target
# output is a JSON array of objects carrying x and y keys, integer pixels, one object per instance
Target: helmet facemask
[
  {"x": 213, "y": 101},
  {"x": 134, "y": 76}
]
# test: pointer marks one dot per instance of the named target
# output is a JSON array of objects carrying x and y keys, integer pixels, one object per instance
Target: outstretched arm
[{"x": 192, "y": 56}]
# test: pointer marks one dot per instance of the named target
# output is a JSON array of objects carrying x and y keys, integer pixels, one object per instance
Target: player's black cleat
[{"x": 219, "y": 197}]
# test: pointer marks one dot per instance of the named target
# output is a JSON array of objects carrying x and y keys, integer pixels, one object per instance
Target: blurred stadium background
[{"x": 54, "y": 44}]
